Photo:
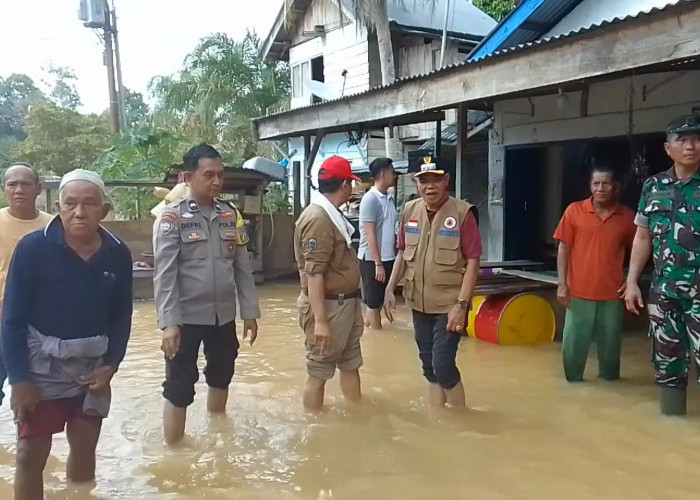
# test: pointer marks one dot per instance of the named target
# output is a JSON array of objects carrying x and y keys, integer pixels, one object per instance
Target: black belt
[{"x": 341, "y": 297}]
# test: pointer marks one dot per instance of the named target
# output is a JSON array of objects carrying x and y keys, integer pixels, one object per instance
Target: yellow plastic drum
[
  {"x": 471, "y": 318},
  {"x": 515, "y": 320}
]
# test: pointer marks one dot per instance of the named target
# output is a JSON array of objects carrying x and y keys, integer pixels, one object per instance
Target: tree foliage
[
  {"x": 60, "y": 139},
  {"x": 139, "y": 154},
  {"x": 61, "y": 81},
  {"x": 498, "y": 9},
  {"x": 136, "y": 108},
  {"x": 222, "y": 85},
  {"x": 17, "y": 93}
]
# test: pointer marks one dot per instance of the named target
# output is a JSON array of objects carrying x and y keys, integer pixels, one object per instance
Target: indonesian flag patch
[{"x": 412, "y": 223}]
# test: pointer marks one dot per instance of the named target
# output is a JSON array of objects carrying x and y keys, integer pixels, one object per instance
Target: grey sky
[{"x": 155, "y": 36}]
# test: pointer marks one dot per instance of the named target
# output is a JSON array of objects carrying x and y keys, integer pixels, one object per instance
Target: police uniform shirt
[
  {"x": 320, "y": 248},
  {"x": 201, "y": 265}
]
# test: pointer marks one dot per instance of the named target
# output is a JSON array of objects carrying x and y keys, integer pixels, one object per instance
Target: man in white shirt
[{"x": 377, "y": 250}]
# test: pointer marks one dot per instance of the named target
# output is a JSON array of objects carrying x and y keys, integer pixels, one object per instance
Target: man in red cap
[{"x": 330, "y": 309}]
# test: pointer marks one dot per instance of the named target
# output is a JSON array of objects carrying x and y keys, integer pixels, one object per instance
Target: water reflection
[{"x": 527, "y": 434}]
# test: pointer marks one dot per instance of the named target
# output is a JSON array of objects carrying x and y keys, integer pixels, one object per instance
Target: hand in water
[
  {"x": 99, "y": 379},
  {"x": 389, "y": 305},
  {"x": 633, "y": 298},
  {"x": 24, "y": 398},
  {"x": 250, "y": 326},
  {"x": 170, "y": 344},
  {"x": 323, "y": 337}
]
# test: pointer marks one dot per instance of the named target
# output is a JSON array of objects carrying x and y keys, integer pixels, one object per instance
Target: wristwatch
[{"x": 463, "y": 304}]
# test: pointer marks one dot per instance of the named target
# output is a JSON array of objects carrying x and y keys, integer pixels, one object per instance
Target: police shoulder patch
[
  {"x": 168, "y": 222},
  {"x": 166, "y": 226}
]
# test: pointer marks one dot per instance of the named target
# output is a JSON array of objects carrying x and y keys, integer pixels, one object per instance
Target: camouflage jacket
[{"x": 670, "y": 208}]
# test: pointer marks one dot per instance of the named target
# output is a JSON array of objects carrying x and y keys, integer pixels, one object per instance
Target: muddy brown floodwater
[{"x": 527, "y": 434}]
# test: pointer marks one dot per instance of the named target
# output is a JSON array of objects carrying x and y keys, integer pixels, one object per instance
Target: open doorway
[
  {"x": 523, "y": 203},
  {"x": 317, "y": 73},
  {"x": 541, "y": 181}
]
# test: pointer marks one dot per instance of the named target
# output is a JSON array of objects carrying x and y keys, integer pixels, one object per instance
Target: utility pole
[
  {"x": 96, "y": 14},
  {"x": 109, "y": 62},
  {"x": 118, "y": 59}
]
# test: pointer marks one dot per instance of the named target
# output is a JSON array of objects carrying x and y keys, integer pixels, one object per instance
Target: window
[
  {"x": 296, "y": 81},
  {"x": 436, "y": 59},
  {"x": 305, "y": 77},
  {"x": 301, "y": 74},
  {"x": 317, "y": 74}
]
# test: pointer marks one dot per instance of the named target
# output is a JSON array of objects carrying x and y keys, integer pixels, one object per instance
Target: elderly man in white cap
[{"x": 66, "y": 322}]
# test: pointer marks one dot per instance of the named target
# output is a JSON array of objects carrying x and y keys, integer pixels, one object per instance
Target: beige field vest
[{"x": 434, "y": 261}]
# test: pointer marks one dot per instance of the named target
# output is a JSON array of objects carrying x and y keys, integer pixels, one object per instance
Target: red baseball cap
[{"x": 336, "y": 167}]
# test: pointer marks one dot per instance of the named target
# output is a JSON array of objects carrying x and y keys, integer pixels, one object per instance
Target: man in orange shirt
[{"x": 593, "y": 236}]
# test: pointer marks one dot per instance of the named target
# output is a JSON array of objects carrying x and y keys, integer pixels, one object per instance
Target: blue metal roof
[{"x": 528, "y": 22}]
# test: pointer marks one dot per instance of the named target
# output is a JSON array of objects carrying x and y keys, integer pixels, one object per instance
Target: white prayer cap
[{"x": 80, "y": 174}]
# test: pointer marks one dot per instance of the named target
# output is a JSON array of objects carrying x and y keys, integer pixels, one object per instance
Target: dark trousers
[
  {"x": 372, "y": 290},
  {"x": 437, "y": 349},
  {"x": 181, "y": 372}
]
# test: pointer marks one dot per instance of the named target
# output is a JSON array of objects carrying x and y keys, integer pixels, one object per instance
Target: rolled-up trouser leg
[
  {"x": 578, "y": 332},
  {"x": 667, "y": 330},
  {"x": 608, "y": 328}
]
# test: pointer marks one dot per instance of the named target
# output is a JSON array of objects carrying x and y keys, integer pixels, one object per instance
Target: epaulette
[
  {"x": 176, "y": 203},
  {"x": 230, "y": 204}
]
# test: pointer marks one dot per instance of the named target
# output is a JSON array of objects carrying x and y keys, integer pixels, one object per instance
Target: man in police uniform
[
  {"x": 439, "y": 251},
  {"x": 330, "y": 309},
  {"x": 201, "y": 266},
  {"x": 668, "y": 223}
]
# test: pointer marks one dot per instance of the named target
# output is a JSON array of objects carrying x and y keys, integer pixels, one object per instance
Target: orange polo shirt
[{"x": 597, "y": 249}]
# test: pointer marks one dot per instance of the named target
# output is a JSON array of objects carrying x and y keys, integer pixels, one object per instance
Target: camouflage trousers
[{"x": 674, "y": 327}]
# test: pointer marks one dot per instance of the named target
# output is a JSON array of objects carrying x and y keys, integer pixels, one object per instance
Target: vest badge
[{"x": 450, "y": 223}]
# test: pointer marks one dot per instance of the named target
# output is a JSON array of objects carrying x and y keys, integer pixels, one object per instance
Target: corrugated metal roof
[
  {"x": 590, "y": 12},
  {"x": 501, "y": 53},
  {"x": 538, "y": 19},
  {"x": 464, "y": 17},
  {"x": 526, "y": 23}
]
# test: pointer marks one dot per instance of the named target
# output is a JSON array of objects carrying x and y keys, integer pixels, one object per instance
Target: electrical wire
[{"x": 272, "y": 225}]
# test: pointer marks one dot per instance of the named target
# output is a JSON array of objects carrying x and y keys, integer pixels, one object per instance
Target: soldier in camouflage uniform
[{"x": 668, "y": 223}]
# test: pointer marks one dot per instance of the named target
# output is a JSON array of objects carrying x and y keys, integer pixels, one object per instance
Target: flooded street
[{"x": 527, "y": 433}]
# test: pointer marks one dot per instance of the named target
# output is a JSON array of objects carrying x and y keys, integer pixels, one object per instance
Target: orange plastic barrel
[
  {"x": 515, "y": 320},
  {"x": 471, "y": 317}
]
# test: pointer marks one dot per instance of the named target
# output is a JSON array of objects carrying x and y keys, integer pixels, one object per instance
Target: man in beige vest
[
  {"x": 330, "y": 309},
  {"x": 439, "y": 251}
]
